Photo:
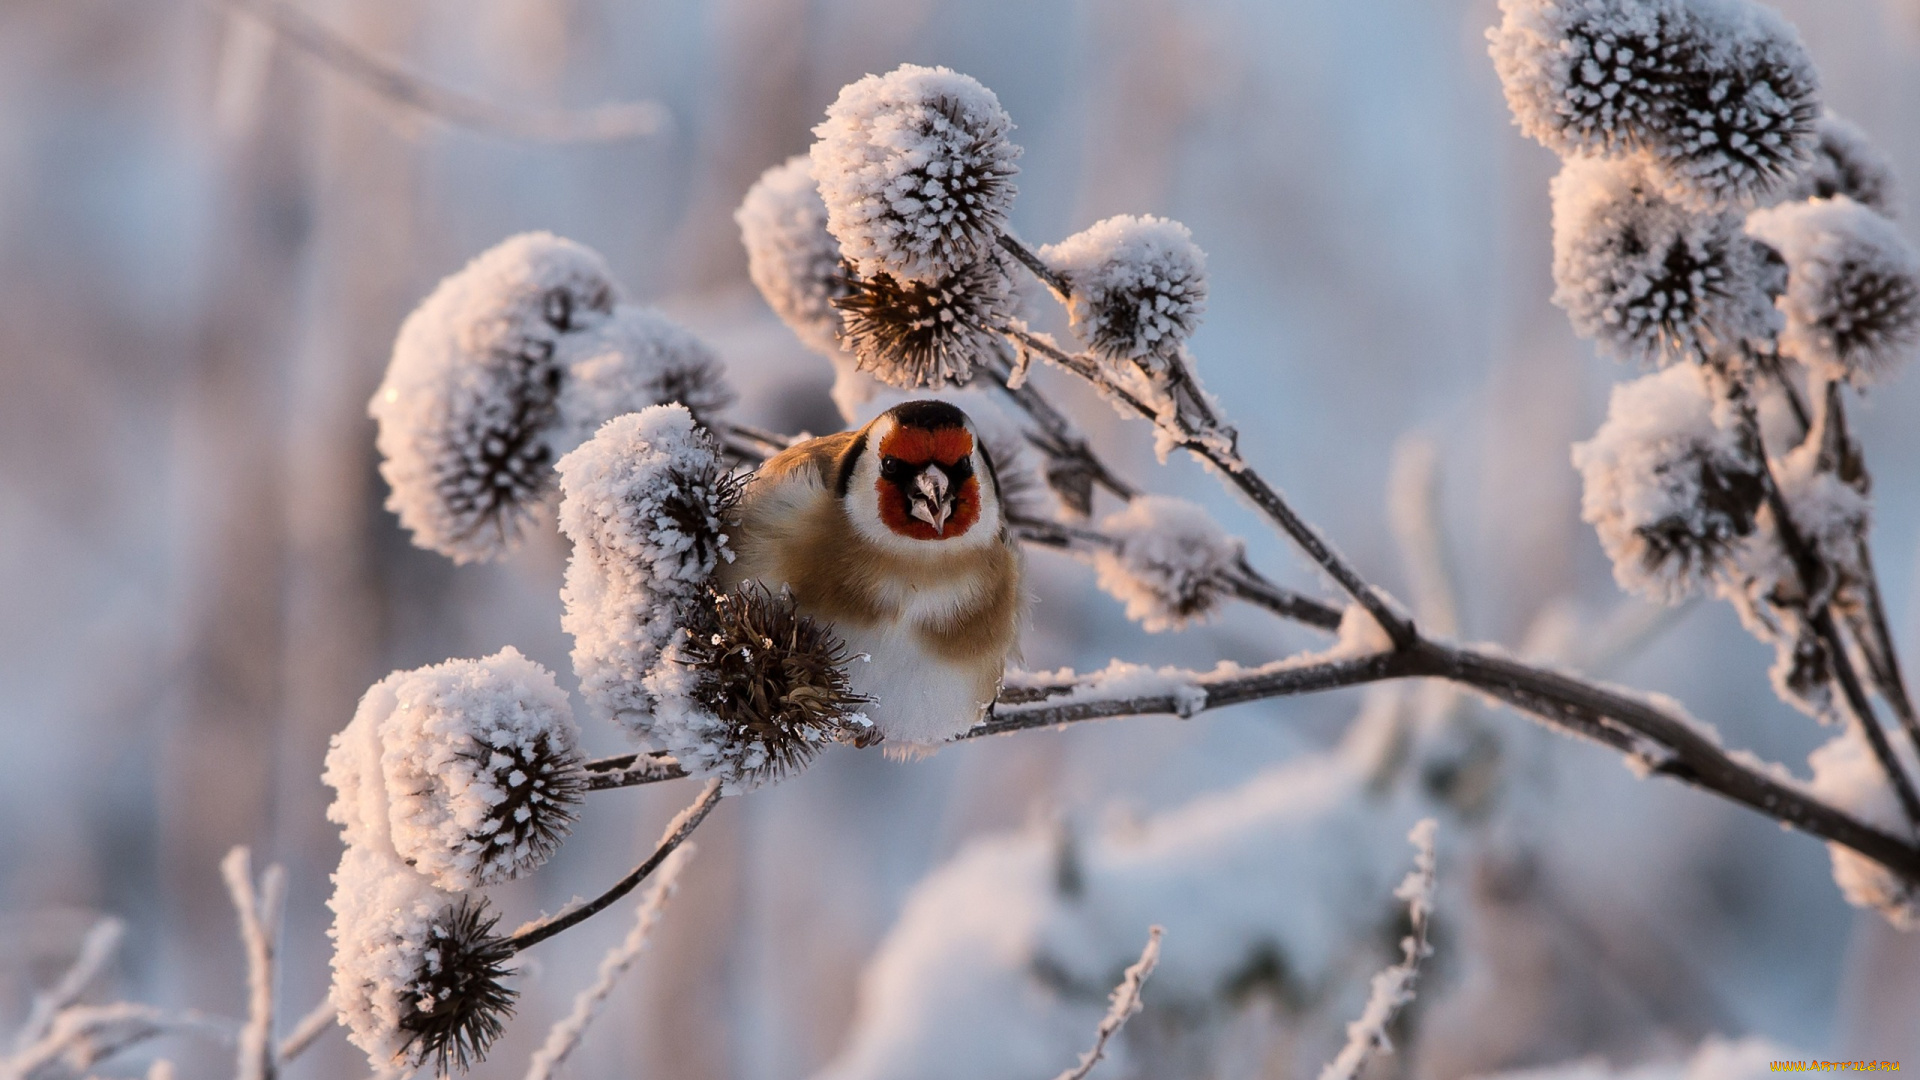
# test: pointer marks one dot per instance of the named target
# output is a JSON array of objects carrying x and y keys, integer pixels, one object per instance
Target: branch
[
  {"x": 319, "y": 1020},
  {"x": 677, "y": 832},
  {"x": 1062, "y": 288},
  {"x": 611, "y": 122},
  {"x": 259, "y": 913},
  {"x": 1125, "y": 1003},
  {"x": 1393, "y": 988}
]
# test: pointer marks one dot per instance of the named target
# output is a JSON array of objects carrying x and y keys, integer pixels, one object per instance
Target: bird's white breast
[{"x": 920, "y": 700}]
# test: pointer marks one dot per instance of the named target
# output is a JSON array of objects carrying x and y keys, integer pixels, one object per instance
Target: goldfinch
[{"x": 896, "y": 535}]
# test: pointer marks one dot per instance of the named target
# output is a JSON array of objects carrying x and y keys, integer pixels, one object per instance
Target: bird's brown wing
[{"x": 816, "y": 461}]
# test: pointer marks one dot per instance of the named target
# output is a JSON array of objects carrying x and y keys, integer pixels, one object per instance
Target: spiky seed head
[
  {"x": 775, "y": 679},
  {"x": 1139, "y": 286},
  {"x": 1670, "y": 492},
  {"x": 1845, "y": 162},
  {"x": 913, "y": 334},
  {"x": 1720, "y": 96},
  {"x": 457, "y": 1003},
  {"x": 1852, "y": 300},
  {"x": 1648, "y": 279},
  {"x": 916, "y": 171},
  {"x": 635, "y": 359},
  {"x": 791, "y": 257},
  {"x": 1169, "y": 562},
  {"x": 542, "y": 782}
]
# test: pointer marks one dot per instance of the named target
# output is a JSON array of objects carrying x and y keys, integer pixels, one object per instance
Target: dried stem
[
  {"x": 317, "y": 1022},
  {"x": 1062, "y": 288},
  {"x": 677, "y": 832},
  {"x": 1125, "y": 1002},
  {"x": 259, "y": 912},
  {"x": 611, "y": 122}
]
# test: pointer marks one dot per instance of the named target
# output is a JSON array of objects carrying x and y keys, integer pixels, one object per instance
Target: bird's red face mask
[{"x": 927, "y": 487}]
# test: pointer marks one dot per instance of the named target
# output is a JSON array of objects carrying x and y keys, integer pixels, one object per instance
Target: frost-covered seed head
[
  {"x": 1845, "y": 162},
  {"x": 1831, "y": 517},
  {"x": 1670, "y": 493},
  {"x": 912, "y": 334},
  {"x": 1720, "y": 95},
  {"x": 456, "y": 1004},
  {"x": 1852, "y": 301},
  {"x": 1646, "y": 278},
  {"x": 1846, "y": 774},
  {"x": 791, "y": 257},
  {"x": 1802, "y": 671},
  {"x": 644, "y": 502},
  {"x": 470, "y": 400},
  {"x": 481, "y": 769},
  {"x": 916, "y": 172},
  {"x": 1169, "y": 564},
  {"x": 774, "y": 678},
  {"x": 1139, "y": 286},
  {"x": 634, "y": 359}
]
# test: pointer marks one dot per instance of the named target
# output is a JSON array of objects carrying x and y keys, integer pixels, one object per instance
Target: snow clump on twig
[
  {"x": 1670, "y": 492},
  {"x": 1852, "y": 302},
  {"x": 1170, "y": 562},
  {"x": 1139, "y": 286},
  {"x": 916, "y": 171},
  {"x": 1718, "y": 96},
  {"x": 1646, "y": 278},
  {"x": 1846, "y": 774}
]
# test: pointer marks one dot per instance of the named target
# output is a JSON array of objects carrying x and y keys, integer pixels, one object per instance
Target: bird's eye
[
  {"x": 892, "y": 467},
  {"x": 960, "y": 470}
]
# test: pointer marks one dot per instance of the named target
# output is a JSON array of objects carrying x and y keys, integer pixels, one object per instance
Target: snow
[
  {"x": 1852, "y": 302},
  {"x": 1139, "y": 286},
  {"x": 1846, "y": 162},
  {"x": 642, "y": 502},
  {"x": 791, "y": 257},
  {"x": 1831, "y": 517},
  {"x": 1669, "y": 491},
  {"x": 383, "y": 914},
  {"x": 995, "y": 967},
  {"x": 1719, "y": 97},
  {"x": 1169, "y": 562},
  {"x": 1847, "y": 775},
  {"x": 916, "y": 169},
  {"x": 1645, "y": 277}
]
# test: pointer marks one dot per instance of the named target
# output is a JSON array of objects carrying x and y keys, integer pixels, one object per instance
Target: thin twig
[
  {"x": 98, "y": 947},
  {"x": 677, "y": 832},
  {"x": 565, "y": 1034},
  {"x": 259, "y": 913},
  {"x": 1125, "y": 1002},
  {"x": 611, "y": 122},
  {"x": 1053, "y": 279},
  {"x": 1393, "y": 988},
  {"x": 319, "y": 1020}
]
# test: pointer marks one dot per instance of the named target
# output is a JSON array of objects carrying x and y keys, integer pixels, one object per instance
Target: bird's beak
[{"x": 930, "y": 502}]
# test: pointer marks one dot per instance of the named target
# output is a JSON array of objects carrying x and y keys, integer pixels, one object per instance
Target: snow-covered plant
[
  {"x": 1139, "y": 286},
  {"x": 916, "y": 170},
  {"x": 1718, "y": 97},
  {"x": 1644, "y": 276},
  {"x": 1169, "y": 564},
  {"x": 504, "y": 367},
  {"x": 1671, "y": 492},
  {"x": 1846, "y": 773},
  {"x": 912, "y": 333},
  {"x": 644, "y": 502},
  {"x": 791, "y": 257},
  {"x": 1845, "y": 162},
  {"x": 1852, "y": 302}
]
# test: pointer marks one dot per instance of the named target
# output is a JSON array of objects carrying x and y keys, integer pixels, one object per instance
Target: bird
[{"x": 895, "y": 534}]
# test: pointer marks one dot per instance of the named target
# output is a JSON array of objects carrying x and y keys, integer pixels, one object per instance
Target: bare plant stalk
[
  {"x": 1125, "y": 1002},
  {"x": 259, "y": 912},
  {"x": 677, "y": 832},
  {"x": 1062, "y": 288},
  {"x": 565, "y": 1034},
  {"x": 1393, "y": 988},
  {"x": 612, "y": 122},
  {"x": 96, "y": 949},
  {"x": 317, "y": 1022}
]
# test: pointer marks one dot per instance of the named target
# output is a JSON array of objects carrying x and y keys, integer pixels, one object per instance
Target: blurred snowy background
[{"x": 207, "y": 242}]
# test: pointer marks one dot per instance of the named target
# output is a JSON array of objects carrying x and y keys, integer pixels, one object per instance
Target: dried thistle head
[
  {"x": 1139, "y": 286},
  {"x": 456, "y": 1004},
  {"x": 1169, "y": 563},
  {"x": 1845, "y": 162},
  {"x": 775, "y": 679},
  {"x": 916, "y": 171},
  {"x": 1852, "y": 299},
  {"x": 1719, "y": 96},
  {"x": 911, "y": 333},
  {"x": 541, "y": 783},
  {"x": 791, "y": 257},
  {"x": 1646, "y": 278}
]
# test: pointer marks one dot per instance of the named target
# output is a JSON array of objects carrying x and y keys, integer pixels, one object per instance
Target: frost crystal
[
  {"x": 1670, "y": 493},
  {"x": 1853, "y": 286},
  {"x": 1646, "y": 278},
  {"x": 916, "y": 171},
  {"x": 1168, "y": 568},
  {"x": 911, "y": 334},
  {"x": 1845, "y": 162},
  {"x": 507, "y": 365},
  {"x": 792, "y": 258},
  {"x": 1847, "y": 775},
  {"x": 643, "y": 502},
  {"x": 481, "y": 769},
  {"x": 1720, "y": 95},
  {"x": 1139, "y": 286}
]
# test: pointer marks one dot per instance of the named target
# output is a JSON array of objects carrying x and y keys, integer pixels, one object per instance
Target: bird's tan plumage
[{"x": 950, "y": 607}]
